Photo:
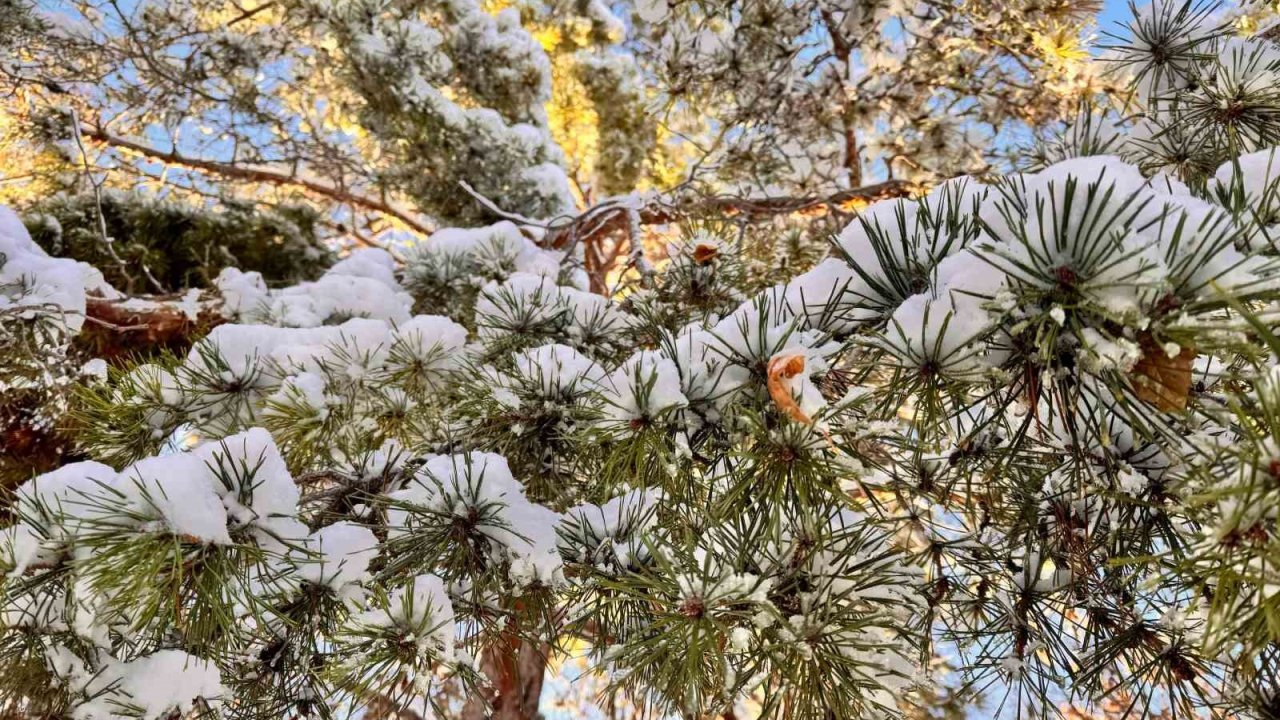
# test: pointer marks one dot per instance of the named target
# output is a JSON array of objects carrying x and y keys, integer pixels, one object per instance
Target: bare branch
[
  {"x": 492, "y": 207},
  {"x": 258, "y": 174},
  {"x": 614, "y": 216},
  {"x": 108, "y": 242}
]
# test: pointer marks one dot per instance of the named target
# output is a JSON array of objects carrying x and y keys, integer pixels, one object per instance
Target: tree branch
[
  {"x": 256, "y": 174},
  {"x": 115, "y": 328},
  {"x": 843, "y": 51},
  {"x": 610, "y": 217}
]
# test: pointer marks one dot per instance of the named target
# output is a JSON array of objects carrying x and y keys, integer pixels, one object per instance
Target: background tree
[
  {"x": 825, "y": 95},
  {"x": 277, "y": 100}
]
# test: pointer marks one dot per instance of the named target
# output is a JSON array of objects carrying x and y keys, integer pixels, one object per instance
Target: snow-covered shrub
[
  {"x": 449, "y": 269},
  {"x": 42, "y": 310}
]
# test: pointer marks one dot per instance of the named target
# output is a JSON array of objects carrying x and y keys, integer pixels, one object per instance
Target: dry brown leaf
[
  {"x": 1160, "y": 380},
  {"x": 704, "y": 253},
  {"x": 784, "y": 368}
]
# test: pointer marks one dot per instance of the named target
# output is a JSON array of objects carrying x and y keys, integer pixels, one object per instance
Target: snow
[
  {"x": 362, "y": 285},
  {"x": 481, "y": 485},
  {"x": 95, "y": 368},
  {"x": 152, "y": 687},
  {"x": 884, "y": 250},
  {"x": 552, "y": 182},
  {"x": 432, "y": 341},
  {"x": 20, "y": 548},
  {"x": 755, "y": 330},
  {"x": 1109, "y": 353},
  {"x": 1246, "y": 66},
  {"x": 338, "y": 296},
  {"x": 929, "y": 298},
  {"x": 60, "y": 493},
  {"x": 968, "y": 278},
  {"x": 386, "y": 459},
  {"x": 652, "y": 11},
  {"x": 494, "y": 252},
  {"x": 13, "y": 231},
  {"x": 1258, "y": 176},
  {"x": 244, "y": 294},
  {"x": 707, "y": 379},
  {"x": 1114, "y": 263},
  {"x": 30, "y": 279},
  {"x": 645, "y": 386},
  {"x": 424, "y": 610},
  {"x": 303, "y": 390},
  {"x": 246, "y": 349},
  {"x": 593, "y": 316},
  {"x": 827, "y": 297},
  {"x": 253, "y": 482},
  {"x": 372, "y": 263},
  {"x": 169, "y": 681},
  {"x": 894, "y": 219},
  {"x": 613, "y": 533},
  {"x": 632, "y": 511},
  {"x": 178, "y": 491},
  {"x": 934, "y": 335},
  {"x": 557, "y": 371},
  {"x": 338, "y": 556},
  {"x": 1196, "y": 240},
  {"x": 526, "y": 304}
]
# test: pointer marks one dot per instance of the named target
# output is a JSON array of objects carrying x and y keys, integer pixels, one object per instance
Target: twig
[
  {"x": 615, "y": 215},
  {"x": 638, "y": 260},
  {"x": 492, "y": 207},
  {"x": 107, "y": 241}
]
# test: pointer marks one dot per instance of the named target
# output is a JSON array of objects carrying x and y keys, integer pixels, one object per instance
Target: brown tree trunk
[{"x": 515, "y": 669}]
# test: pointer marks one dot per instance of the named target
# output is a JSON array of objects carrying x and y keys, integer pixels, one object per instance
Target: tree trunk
[{"x": 515, "y": 669}]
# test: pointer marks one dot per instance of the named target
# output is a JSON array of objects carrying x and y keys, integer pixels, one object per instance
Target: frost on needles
[
  {"x": 1014, "y": 436},
  {"x": 1006, "y": 404}
]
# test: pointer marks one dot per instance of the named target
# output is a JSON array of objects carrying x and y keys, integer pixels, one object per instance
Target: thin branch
[
  {"x": 108, "y": 242},
  {"x": 258, "y": 174},
  {"x": 492, "y": 207},
  {"x": 618, "y": 215}
]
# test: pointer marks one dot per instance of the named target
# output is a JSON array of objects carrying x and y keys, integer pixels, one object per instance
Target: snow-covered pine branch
[{"x": 1012, "y": 440}]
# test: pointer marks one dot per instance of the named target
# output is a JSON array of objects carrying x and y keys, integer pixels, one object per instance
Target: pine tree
[
  {"x": 1012, "y": 443},
  {"x": 378, "y": 109}
]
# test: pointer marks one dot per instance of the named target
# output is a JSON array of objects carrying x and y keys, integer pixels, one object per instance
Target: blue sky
[{"x": 1113, "y": 11}]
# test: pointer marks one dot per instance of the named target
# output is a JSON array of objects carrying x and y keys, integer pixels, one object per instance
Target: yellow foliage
[
  {"x": 26, "y": 170},
  {"x": 1060, "y": 44},
  {"x": 573, "y": 120},
  {"x": 548, "y": 37},
  {"x": 1257, "y": 17},
  {"x": 575, "y": 126}
]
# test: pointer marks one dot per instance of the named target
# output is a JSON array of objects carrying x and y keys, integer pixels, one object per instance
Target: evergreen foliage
[
  {"x": 182, "y": 246},
  {"x": 1013, "y": 442}
]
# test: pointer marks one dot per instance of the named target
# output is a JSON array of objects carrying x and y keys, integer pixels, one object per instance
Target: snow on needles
[
  {"x": 151, "y": 687},
  {"x": 33, "y": 282},
  {"x": 479, "y": 488}
]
